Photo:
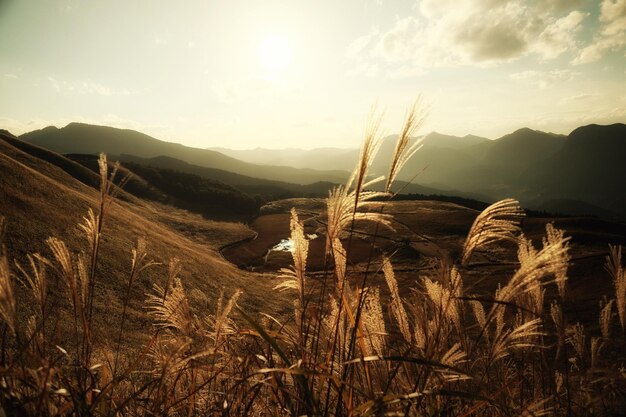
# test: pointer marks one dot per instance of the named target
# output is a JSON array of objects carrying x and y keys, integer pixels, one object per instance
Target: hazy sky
[{"x": 292, "y": 73}]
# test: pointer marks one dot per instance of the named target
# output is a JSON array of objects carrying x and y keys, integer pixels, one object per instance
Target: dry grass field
[{"x": 112, "y": 306}]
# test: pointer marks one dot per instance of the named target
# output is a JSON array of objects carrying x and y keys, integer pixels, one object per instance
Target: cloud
[
  {"x": 448, "y": 33},
  {"x": 11, "y": 76},
  {"x": 360, "y": 44},
  {"x": 87, "y": 87},
  {"x": 613, "y": 15},
  {"x": 580, "y": 97},
  {"x": 543, "y": 79},
  {"x": 560, "y": 36},
  {"x": 611, "y": 35},
  {"x": 561, "y": 5}
]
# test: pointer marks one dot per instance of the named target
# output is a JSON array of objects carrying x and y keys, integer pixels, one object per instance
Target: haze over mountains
[
  {"x": 83, "y": 138},
  {"x": 582, "y": 173}
]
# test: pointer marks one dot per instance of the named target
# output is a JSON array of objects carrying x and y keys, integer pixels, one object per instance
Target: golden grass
[{"x": 347, "y": 349}]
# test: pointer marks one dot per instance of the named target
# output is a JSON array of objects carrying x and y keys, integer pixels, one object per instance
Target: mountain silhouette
[
  {"x": 590, "y": 167},
  {"x": 581, "y": 173},
  {"x": 90, "y": 139}
]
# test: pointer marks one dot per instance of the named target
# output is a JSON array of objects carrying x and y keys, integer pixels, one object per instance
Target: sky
[{"x": 306, "y": 74}]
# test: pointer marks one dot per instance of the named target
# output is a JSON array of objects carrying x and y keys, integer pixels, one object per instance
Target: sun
[{"x": 275, "y": 53}]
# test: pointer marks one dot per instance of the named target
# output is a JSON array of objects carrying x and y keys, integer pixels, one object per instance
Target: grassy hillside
[
  {"x": 39, "y": 200},
  {"x": 251, "y": 185},
  {"x": 211, "y": 198}
]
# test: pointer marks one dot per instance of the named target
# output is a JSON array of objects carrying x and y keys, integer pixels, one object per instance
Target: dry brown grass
[{"x": 433, "y": 349}]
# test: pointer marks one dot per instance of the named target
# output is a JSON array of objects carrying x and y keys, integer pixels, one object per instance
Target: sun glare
[{"x": 275, "y": 53}]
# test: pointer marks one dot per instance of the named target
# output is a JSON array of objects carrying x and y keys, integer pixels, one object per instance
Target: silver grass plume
[
  {"x": 295, "y": 277},
  {"x": 617, "y": 272},
  {"x": 8, "y": 306},
  {"x": 74, "y": 277},
  {"x": 553, "y": 237},
  {"x": 171, "y": 309},
  {"x": 221, "y": 323},
  {"x": 444, "y": 301},
  {"x": 518, "y": 337},
  {"x": 397, "y": 307},
  {"x": 342, "y": 209},
  {"x": 576, "y": 337},
  {"x": 481, "y": 318},
  {"x": 596, "y": 346},
  {"x": 550, "y": 260},
  {"x": 404, "y": 151},
  {"x": 556, "y": 313},
  {"x": 374, "y": 321},
  {"x": 36, "y": 280},
  {"x": 370, "y": 148},
  {"x": 500, "y": 221},
  {"x": 605, "y": 319}
]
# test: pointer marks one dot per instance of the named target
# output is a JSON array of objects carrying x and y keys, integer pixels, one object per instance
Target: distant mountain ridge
[
  {"x": 90, "y": 139},
  {"x": 583, "y": 170}
]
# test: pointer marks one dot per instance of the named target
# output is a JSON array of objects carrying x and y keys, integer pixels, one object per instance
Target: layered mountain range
[{"x": 581, "y": 173}]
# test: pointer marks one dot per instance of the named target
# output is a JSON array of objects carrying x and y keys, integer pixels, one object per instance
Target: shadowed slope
[
  {"x": 590, "y": 167},
  {"x": 39, "y": 200}
]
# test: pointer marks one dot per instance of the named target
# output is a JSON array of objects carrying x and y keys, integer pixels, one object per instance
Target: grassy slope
[{"x": 40, "y": 200}]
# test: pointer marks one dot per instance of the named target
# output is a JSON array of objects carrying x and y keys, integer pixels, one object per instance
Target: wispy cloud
[
  {"x": 580, "y": 97},
  {"x": 543, "y": 79},
  {"x": 88, "y": 87}
]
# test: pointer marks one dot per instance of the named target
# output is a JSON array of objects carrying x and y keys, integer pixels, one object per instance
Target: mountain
[
  {"x": 89, "y": 139},
  {"x": 39, "y": 199},
  {"x": 494, "y": 167},
  {"x": 590, "y": 167},
  {"x": 576, "y": 174},
  {"x": 245, "y": 183},
  {"x": 435, "y": 139},
  {"x": 431, "y": 165},
  {"x": 581, "y": 173},
  {"x": 518, "y": 149},
  {"x": 342, "y": 158}
]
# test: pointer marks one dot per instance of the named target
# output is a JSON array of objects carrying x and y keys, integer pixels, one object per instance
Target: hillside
[
  {"x": 590, "y": 167},
  {"x": 519, "y": 149},
  {"x": 211, "y": 198},
  {"x": 251, "y": 185},
  {"x": 39, "y": 200},
  {"x": 90, "y": 139}
]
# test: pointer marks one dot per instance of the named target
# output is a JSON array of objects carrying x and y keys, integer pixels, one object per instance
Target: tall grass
[{"x": 356, "y": 344}]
